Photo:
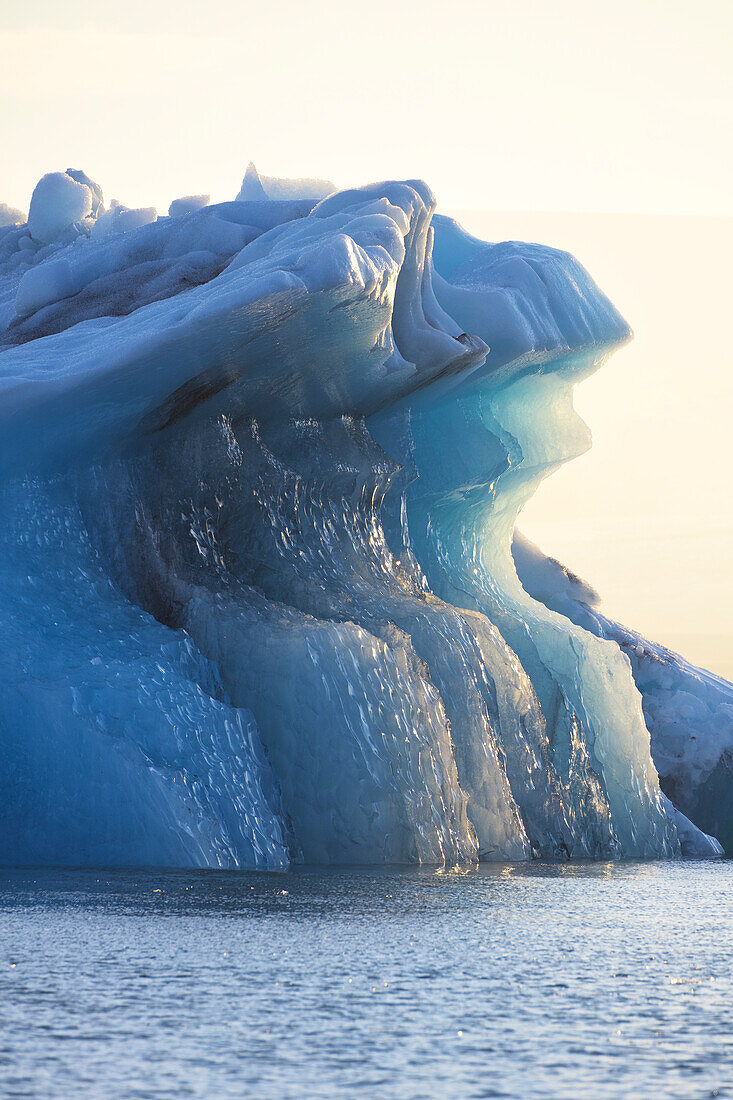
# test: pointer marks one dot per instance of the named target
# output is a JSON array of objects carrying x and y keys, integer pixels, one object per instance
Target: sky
[
  {"x": 523, "y": 117},
  {"x": 534, "y": 104}
]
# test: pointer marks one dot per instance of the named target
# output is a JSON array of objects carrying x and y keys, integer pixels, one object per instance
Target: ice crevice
[{"x": 264, "y": 598}]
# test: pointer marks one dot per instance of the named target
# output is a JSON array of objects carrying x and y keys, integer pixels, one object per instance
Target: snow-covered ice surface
[{"x": 261, "y": 464}]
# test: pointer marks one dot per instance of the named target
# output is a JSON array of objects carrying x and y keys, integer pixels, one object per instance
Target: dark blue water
[{"x": 596, "y": 981}]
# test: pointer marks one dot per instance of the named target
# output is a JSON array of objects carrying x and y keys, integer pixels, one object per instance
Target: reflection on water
[{"x": 522, "y": 980}]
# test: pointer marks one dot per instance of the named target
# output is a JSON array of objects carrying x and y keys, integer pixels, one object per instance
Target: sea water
[{"x": 505, "y": 980}]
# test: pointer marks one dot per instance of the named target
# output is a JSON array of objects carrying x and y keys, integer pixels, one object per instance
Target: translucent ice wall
[
  {"x": 688, "y": 711},
  {"x": 260, "y": 470}
]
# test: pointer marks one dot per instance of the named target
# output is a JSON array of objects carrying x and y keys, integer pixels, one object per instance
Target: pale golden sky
[
  {"x": 528, "y": 104},
  {"x": 533, "y": 105}
]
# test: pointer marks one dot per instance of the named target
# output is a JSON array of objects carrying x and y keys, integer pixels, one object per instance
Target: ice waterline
[{"x": 263, "y": 596}]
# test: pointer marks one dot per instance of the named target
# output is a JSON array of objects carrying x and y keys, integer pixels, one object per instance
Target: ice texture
[
  {"x": 261, "y": 464},
  {"x": 257, "y": 188},
  {"x": 688, "y": 711},
  {"x": 97, "y": 193},
  {"x": 9, "y": 215},
  {"x": 121, "y": 219},
  {"x": 187, "y": 205},
  {"x": 58, "y": 202}
]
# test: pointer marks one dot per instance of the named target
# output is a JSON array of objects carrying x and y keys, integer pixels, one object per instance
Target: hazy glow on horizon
[
  {"x": 532, "y": 105},
  {"x": 566, "y": 106}
]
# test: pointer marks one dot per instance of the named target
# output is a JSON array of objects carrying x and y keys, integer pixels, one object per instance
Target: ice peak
[{"x": 258, "y": 188}]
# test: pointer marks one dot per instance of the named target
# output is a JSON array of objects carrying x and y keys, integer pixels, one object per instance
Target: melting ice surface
[{"x": 263, "y": 598}]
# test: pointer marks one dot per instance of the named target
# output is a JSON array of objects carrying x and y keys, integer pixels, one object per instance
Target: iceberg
[{"x": 264, "y": 597}]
